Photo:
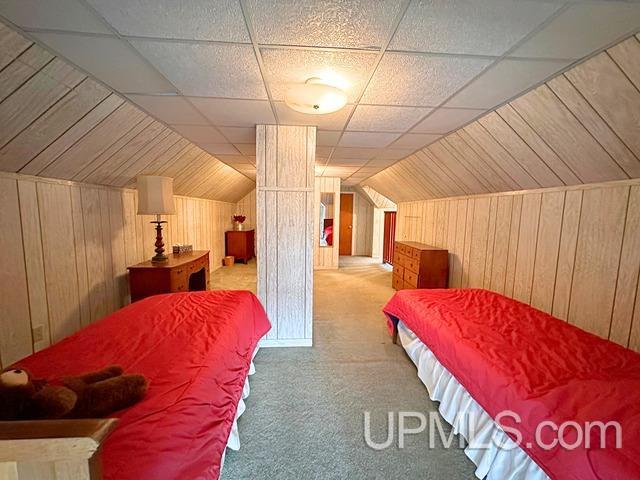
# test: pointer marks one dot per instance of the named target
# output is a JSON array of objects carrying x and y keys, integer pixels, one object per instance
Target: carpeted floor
[{"x": 304, "y": 417}]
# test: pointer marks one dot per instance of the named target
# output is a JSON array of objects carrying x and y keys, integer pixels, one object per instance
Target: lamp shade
[{"x": 155, "y": 195}]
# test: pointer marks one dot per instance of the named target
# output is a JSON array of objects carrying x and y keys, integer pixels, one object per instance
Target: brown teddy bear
[{"x": 92, "y": 395}]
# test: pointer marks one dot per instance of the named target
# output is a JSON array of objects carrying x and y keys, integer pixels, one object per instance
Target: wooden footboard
[{"x": 52, "y": 449}]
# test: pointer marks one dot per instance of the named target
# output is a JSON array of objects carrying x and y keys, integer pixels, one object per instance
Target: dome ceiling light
[{"x": 315, "y": 97}]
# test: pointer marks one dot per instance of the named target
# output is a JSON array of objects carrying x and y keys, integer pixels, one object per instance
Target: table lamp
[{"x": 155, "y": 197}]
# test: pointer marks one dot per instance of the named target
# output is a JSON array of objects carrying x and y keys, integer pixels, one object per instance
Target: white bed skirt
[
  {"x": 234, "y": 437},
  {"x": 465, "y": 415}
]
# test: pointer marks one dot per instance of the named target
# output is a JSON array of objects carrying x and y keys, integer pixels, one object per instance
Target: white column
[{"x": 285, "y": 160}]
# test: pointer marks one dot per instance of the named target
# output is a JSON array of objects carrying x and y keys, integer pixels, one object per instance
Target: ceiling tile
[
  {"x": 169, "y": 109},
  {"x": 415, "y": 140},
  {"x": 238, "y": 134},
  {"x": 347, "y": 162},
  {"x": 110, "y": 60},
  {"x": 207, "y": 70},
  {"x": 420, "y": 80},
  {"x": 199, "y": 134},
  {"x": 581, "y": 29},
  {"x": 70, "y": 15},
  {"x": 348, "y": 71},
  {"x": 443, "y": 120},
  {"x": 234, "y": 113},
  {"x": 246, "y": 148},
  {"x": 394, "y": 153},
  {"x": 481, "y": 27},
  {"x": 326, "y": 23},
  {"x": 323, "y": 151},
  {"x": 219, "y": 148},
  {"x": 367, "y": 139},
  {"x": 385, "y": 118},
  {"x": 327, "y": 138},
  {"x": 355, "y": 153},
  {"x": 331, "y": 121},
  {"x": 221, "y": 20},
  {"x": 503, "y": 81}
]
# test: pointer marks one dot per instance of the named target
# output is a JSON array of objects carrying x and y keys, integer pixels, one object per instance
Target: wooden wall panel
[
  {"x": 285, "y": 184},
  {"x": 570, "y": 251},
  {"x": 66, "y": 248},
  {"x": 247, "y": 206},
  {"x": 578, "y": 128},
  {"x": 57, "y": 123}
]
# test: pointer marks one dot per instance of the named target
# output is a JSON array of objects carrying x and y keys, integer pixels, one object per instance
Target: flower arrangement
[{"x": 239, "y": 218}]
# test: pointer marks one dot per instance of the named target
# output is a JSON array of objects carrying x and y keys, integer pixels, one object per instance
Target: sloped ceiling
[
  {"x": 582, "y": 126},
  {"x": 413, "y": 70},
  {"x": 56, "y": 122}
]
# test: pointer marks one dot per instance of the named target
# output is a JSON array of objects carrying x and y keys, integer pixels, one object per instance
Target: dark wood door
[
  {"x": 389, "y": 235},
  {"x": 346, "y": 223}
]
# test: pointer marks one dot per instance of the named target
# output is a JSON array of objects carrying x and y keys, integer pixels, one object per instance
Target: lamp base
[{"x": 159, "y": 257}]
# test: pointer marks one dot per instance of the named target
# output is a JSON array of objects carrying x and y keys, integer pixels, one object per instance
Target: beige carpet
[{"x": 304, "y": 417}]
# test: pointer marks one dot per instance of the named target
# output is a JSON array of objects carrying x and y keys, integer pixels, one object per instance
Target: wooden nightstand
[{"x": 181, "y": 273}]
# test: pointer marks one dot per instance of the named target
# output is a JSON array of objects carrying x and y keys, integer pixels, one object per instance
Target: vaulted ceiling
[
  {"x": 57, "y": 122},
  {"x": 580, "y": 127},
  {"x": 413, "y": 70}
]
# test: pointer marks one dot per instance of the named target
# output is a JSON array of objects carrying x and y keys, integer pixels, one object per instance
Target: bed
[
  {"x": 481, "y": 353},
  {"x": 196, "y": 350}
]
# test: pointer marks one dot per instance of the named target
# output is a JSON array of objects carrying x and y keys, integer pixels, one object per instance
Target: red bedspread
[
  {"x": 510, "y": 356},
  {"x": 195, "y": 349}
]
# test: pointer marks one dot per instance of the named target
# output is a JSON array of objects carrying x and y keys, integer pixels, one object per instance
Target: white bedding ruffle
[{"x": 465, "y": 415}]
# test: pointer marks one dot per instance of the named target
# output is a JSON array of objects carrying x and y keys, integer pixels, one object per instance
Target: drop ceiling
[{"x": 413, "y": 70}]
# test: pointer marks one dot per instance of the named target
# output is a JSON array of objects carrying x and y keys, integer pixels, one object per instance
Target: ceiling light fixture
[{"x": 315, "y": 97}]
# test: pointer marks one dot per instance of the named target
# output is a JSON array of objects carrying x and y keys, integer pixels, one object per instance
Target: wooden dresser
[
  {"x": 181, "y": 273},
  {"x": 416, "y": 265},
  {"x": 240, "y": 244}
]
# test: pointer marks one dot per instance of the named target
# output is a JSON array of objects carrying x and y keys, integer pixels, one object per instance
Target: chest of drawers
[{"x": 416, "y": 265}]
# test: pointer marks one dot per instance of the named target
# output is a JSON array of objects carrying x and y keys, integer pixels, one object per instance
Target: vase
[{"x": 238, "y": 226}]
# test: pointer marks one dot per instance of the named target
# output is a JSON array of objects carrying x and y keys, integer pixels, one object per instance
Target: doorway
[
  {"x": 346, "y": 223},
  {"x": 389, "y": 237}
]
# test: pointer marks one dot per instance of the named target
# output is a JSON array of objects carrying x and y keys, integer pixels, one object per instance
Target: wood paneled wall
[
  {"x": 325, "y": 258},
  {"x": 65, "y": 248},
  {"x": 573, "y": 252},
  {"x": 247, "y": 207},
  {"x": 285, "y": 222},
  {"x": 362, "y": 241},
  {"x": 581, "y": 127},
  {"x": 56, "y": 122}
]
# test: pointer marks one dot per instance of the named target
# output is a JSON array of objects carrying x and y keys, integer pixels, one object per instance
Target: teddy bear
[{"x": 92, "y": 395}]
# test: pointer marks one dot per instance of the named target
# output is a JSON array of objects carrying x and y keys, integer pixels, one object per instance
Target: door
[
  {"x": 346, "y": 223},
  {"x": 389, "y": 236}
]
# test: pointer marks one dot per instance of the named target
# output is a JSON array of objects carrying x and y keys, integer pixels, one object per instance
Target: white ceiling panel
[
  {"x": 327, "y": 138},
  {"x": 347, "y": 162},
  {"x": 246, "y": 148},
  {"x": 200, "y": 134},
  {"x": 443, "y": 120},
  {"x": 480, "y": 27},
  {"x": 354, "y": 153},
  {"x": 326, "y": 23},
  {"x": 221, "y": 20},
  {"x": 219, "y": 148},
  {"x": 420, "y": 80},
  {"x": 348, "y": 71},
  {"x": 503, "y": 81},
  {"x": 394, "y": 153},
  {"x": 415, "y": 140},
  {"x": 367, "y": 139},
  {"x": 110, "y": 60},
  {"x": 385, "y": 118},
  {"x": 169, "y": 109},
  {"x": 234, "y": 113},
  {"x": 239, "y": 134},
  {"x": 583, "y": 28},
  {"x": 207, "y": 70},
  {"x": 69, "y": 15},
  {"x": 331, "y": 121}
]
